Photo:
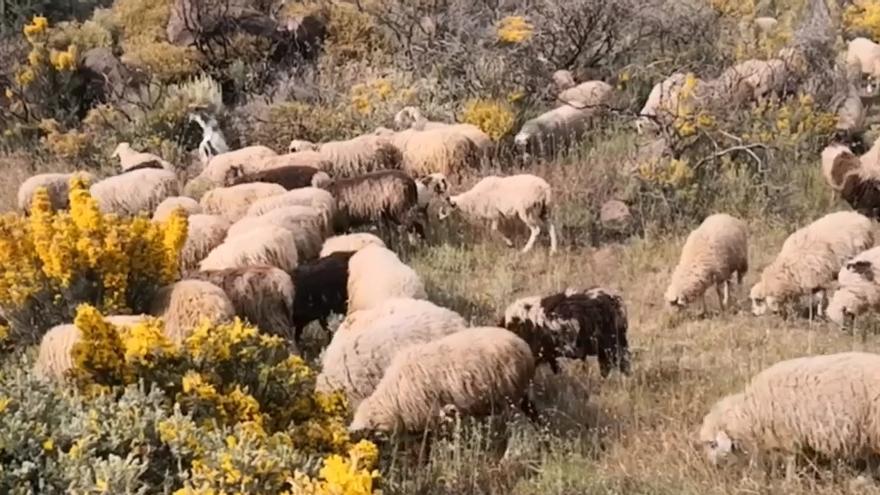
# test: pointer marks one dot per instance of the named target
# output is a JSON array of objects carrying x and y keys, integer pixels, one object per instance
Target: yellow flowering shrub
[
  {"x": 246, "y": 417},
  {"x": 514, "y": 29},
  {"x": 793, "y": 123},
  {"x": 863, "y": 16},
  {"x": 495, "y": 118},
  {"x": 54, "y": 260},
  {"x": 144, "y": 40}
]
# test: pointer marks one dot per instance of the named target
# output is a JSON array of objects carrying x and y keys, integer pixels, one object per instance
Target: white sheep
[
  {"x": 716, "y": 253},
  {"x": 168, "y": 205},
  {"x": 313, "y": 197},
  {"x": 366, "y": 342},
  {"x": 232, "y": 203},
  {"x": 662, "y": 100},
  {"x": 57, "y": 185},
  {"x": 494, "y": 198},
  {"x": 376, "y": 274},
  {"x": 863, "y": 55},
  {"x": 476, "y": 371},
  {"x": 360, "y": 155},
  {"x": 349, "y": 242},
  {"x": 129, "y": 159},
  {"x": 810, "y": 259},
  {"x": 412, "y": 118},
  {"x": 135, "y": 192},
  {"x": 554, "y": 129},
  {"x": 306, "y": 223},
  {"x": 429, "y": 151},
  {"x": 753, "y": 79},
  {"x": 596, "y": 95},
  {"x": 203, "y": 234},
  {"x": 859, "y": 290},
  {"x": 262, "y": 245},
  {"x": 825, "y": 405},
  {"x": 765, "y": 24},
  {"x": 185, "y": 305},
  {"x": 218, "y": 167},
  {"x": 297, "y": 159}
]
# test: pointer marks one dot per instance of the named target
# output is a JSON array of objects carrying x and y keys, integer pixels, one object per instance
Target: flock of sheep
[{"x": 270, "y": 240}]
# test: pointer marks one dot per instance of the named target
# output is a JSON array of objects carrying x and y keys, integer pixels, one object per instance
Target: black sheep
[
  {"x": 574, "y": 325},
  {"x": 289, "y": 177},
  {"x": 321, "y": 290},
  {"x": 387, "y": 198}
]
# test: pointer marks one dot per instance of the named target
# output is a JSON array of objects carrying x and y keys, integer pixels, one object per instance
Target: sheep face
[
  {"x": 843, "y": 308},
  {"x": 719, "y": 450},
  {"x": 522, "y": 139},
  {"x": 119, "y": 149},
  {"x": 451, "y": 205},
  {"x": 321, "y": 180},
  {"x": 761, "y": 303},
  {"x": 298, "y": 145}
]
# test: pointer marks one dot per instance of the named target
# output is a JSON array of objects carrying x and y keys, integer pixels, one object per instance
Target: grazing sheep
[
  {"x": 596, "y": 95},
  {"x": 412, "y": 118},
  {"x": 429, "y": 151},
  {"x": 716, "y": 253},
  {"x": 554, "y": 129},
  {"x": 851, "y": 113},
  {"x": 349, "y": 242},
  {"x": 204, "y": 233},
  {"x": 367, "y": 341},
  {"x": 288, "y": 177},
  {"x": 837, "y": 161},
  {"x": 321, "y": 290},
  {"x": 185, "y": 305},
  {"x": 494, "y": 198},
  {"x": 863, "y": 55},
  {"x": 477, "y": 371},
  {"x": 573, "y": 325},
  {"x": 129, "y": 159},
  {"x": 299, "y": 159},
  {"x": 57, "y": 185},
  {"x": 385, "y": 198},
  {"x": 169, "y": 205},
  {"x": 232, "y": 203},
  {"x": 218, "y": 166},
  {"x": 753, "y": 79},
  {"x": 663, "y": 99},
  {"x": 135, "y": 192},
  {"x": 810, "y": 259},
  {"x": 304, "y": 222},
  {"x": 429, "y": 187},
  {"x": 817, "y": 405},
  {"x": 860, "y": 188},
  {"x": 859, "y": 290},
  {"x": 360, "y": 155},
  {"x": 262, "y": 245},
  {"x": 263, "y": 295},
  {"x": 765, "y": 24},
  {"x": 313, "y": 197},
  {"x": 376, "y": 275}
]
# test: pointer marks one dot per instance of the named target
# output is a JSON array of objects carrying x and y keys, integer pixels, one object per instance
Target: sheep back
[
  {"x": 376, "y": 275},
  {"x": 262, "y": 245},
  {"x": 233, "y": 202},
  {"x": 168, "y": 205},
  {"x": 350, "y": 242},
  {"x": 135, "y": 192},
  {"x": 57, "y": 186},
  {"x": 204, "y": 233},
  {"x": 187, "y": 304},
  {"x": 321, "y": 289}
]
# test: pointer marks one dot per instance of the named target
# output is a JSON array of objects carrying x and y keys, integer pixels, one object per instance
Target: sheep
[
  {"x": 859, "y": 290},
  {"x": 185, "y": 305},
  {"x": 476, "y": 371},
  {"x": 304, "y": 222},
  {"x": 352, "y": 157},
  {"x": 349, "y": 242},
  {"x": 318, "y": 199},
  {"x": 232, "y": 203},
  {"x": 312, "y": 159},
  {"x": 553, "y": 130},
  {"x": 288, "y": 177},
  {"x": 262, "y": 245},
  {"x": 376, "y": 275},
  {"x": 263, "y": 295},
  {"x": 765, "y": 24},
  {"x": 860, "y": 188},
  {"x": 321, "y": 290},
  {"x": 386, "y": 197},
  {"x": 367, "y": 341},
  {"x": 863, "y": 55},
  {"x": 716, "y": 253},
  {"x": 822, "y": 405},
  {"x": 218, "y": 166},
  {"x": 204, "y": 233},
  {"x": 494, "y": 198},
  {"x": 412, "y": 118},
  {"x": 810, "y": 259},
  {"x": 837, "y": 160},
  {"x": 429, "y": 151},
  {"x": 573, "y": 324},
  {"x": 597, "y": 95},
  {"x": 851, "y": 113},
  {"x": 54, "y": 357},
  {"x": 57, "y": 185},
  {"x": 170, "y": 204},
  {"x": 753, "y": 79},
  {"x": 129, "y": 159},
  {"x": 663, "y": 98},
  {"x": 135, "y": 192}
]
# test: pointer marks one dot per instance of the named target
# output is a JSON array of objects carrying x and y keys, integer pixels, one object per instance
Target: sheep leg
[
  {"x": 721, "y": 291},
  {"x": 529, "y": 409},
  {"x": 553, "y": 242},
  {"x": 536, "y": 230},
  {"x": 498, "y": 232}
]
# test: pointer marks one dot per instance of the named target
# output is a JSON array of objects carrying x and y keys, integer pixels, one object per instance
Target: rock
[{"x": 615, "y": 216}]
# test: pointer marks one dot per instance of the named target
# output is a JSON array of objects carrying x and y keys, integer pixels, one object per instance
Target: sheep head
[
  {"x": 120, "y": 149},
  {"x": 563, "y": 80},
  {"x": 407, "y": 118},
  {"x": 759, "y": 299},
  {"x": 298, "y": 145},
  {"x": 451, "y": 204},
  {"x": 715, "y": 436}
]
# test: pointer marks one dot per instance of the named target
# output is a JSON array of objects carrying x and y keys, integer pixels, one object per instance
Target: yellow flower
[
  {"x": 48, "y": 445},
  {"x": 38, "y": 26},
  {"x": 493, "y": 117},
  {"x": 514, "y": 29},
  {"x": 25, "y": 77},
  {"x": 64, "y": 61},
  {"x": 4, "y": 403},
  {"x": 35, "y": 57}
]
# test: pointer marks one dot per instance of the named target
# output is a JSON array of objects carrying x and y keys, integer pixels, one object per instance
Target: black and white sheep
[
  {"x": 574, "y": 325},
  {"x": 321, "y": 290}
]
